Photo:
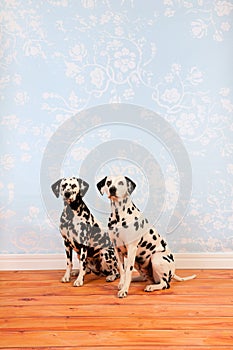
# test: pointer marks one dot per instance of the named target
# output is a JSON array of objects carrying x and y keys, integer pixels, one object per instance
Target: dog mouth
[
  {"x": 68, "y": 197},
  {"x": 113, "y": 198},
  {"x": 68, "y": 200}
]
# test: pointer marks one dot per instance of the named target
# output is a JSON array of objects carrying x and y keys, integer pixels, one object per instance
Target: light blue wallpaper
[{"x": 171, "y": 57}]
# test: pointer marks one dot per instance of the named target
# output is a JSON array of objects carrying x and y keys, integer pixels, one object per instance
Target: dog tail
[{"x": 181, "y": 279}]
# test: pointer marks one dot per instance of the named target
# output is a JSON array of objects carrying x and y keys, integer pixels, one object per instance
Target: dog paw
[
  {"x": 74, "y": 273},
  {"x": 78, "y": 282},
  {"x": 111, "y": 278},
  {"x": 148, "y": 288},
  {"x": 122, "y": 293},
  {"x": 65, "y": 279}
]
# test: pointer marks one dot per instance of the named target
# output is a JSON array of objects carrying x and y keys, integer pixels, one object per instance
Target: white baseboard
[
  {"x": 204, "y": 260},
  {"x": 58, "y": 261}
]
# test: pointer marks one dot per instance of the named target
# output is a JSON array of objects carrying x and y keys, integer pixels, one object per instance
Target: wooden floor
[{"x": 39, "y": 312}]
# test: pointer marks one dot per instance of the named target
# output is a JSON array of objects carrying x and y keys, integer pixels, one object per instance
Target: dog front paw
[
  {"x": 78, "y": 282},
  {"x": 111, "y": 278},
  {"x": 65, "y": 278},
  {"x": 122, "y": 293},
  {"x": 74, "y": 273}
]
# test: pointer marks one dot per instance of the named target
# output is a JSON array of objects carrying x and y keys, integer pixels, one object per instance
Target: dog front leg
[
  {"x": 69, "y": 265},
  {"x": 132, "y": 249},
  {"x": 82, "y": 267},
  {"x": 120, "y": 260}
]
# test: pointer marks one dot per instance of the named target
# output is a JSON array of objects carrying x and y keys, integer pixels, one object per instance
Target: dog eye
[
  {"x": 73, "y": 186},
  {"x": 109, "y": 183},
  {"x": 120, "y": 183}
]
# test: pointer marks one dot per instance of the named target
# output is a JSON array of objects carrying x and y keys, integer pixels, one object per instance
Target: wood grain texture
[{"x": 39, "y": 312}]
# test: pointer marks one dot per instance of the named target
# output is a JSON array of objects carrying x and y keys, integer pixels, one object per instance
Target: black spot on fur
[
  {"x": 139, "y": 243},
  {"x": 143, "y": 244},
  {"x": 167, "y": 283},
  {"x": 124, "y": 224},
  {"x": 129, "y": 211},
  {"x": 91, "y": 252},
  {"x": 171, "y": 257},
  {"x": 164, "y": 244},
  {"x": 97, "y": 237},
  {"x": 170, "y": 276},
  {"x": 139, "y": 259},
  {"x": 69, "y": 254},
  {"x": 67, "y": 243},
  {"x": 165, "y": 258}
]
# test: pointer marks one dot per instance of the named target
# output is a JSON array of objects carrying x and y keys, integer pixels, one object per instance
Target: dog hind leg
[
  {"x": 108, "y": 264},
  {"x": 163, "y": 269}
]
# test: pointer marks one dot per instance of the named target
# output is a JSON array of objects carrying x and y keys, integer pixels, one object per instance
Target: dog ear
[
  {"x": 83, "y": 187},
  {"x": 101, "y": 184},
  {"x": 56, "y": 187},
  {"x": 130, "y": 185}
]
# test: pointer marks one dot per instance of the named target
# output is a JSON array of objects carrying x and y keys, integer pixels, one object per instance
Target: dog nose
[
  {"x": 67, "y": 194},
  {"x": 112, "y": 190}
]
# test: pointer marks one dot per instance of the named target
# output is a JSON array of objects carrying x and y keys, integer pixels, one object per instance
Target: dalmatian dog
[
  {"x": 83, "y": 234},
  {"x": 134, "y": 238}
]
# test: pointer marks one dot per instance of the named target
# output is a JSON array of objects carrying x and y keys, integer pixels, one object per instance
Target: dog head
[
  {"x": 116, "y": 187},
  {"x": 69, "y": 188}
]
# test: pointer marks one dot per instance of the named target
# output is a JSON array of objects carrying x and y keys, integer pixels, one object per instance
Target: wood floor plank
[
  {"x": 115, "y": 323},
  {"x": 179, "y": 310},
  {"x": 93, "y": 338},
  {"x": 145, "y": 299},
  {"x": 134, "y": 347}
]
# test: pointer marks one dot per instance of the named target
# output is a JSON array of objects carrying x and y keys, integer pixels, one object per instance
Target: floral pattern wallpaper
[{"x": 60, "y": 57}]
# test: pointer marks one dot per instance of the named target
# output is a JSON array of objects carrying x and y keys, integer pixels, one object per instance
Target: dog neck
[
  {"x": 121, "y": 205},
  {"x": 78, "y": 206}
]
